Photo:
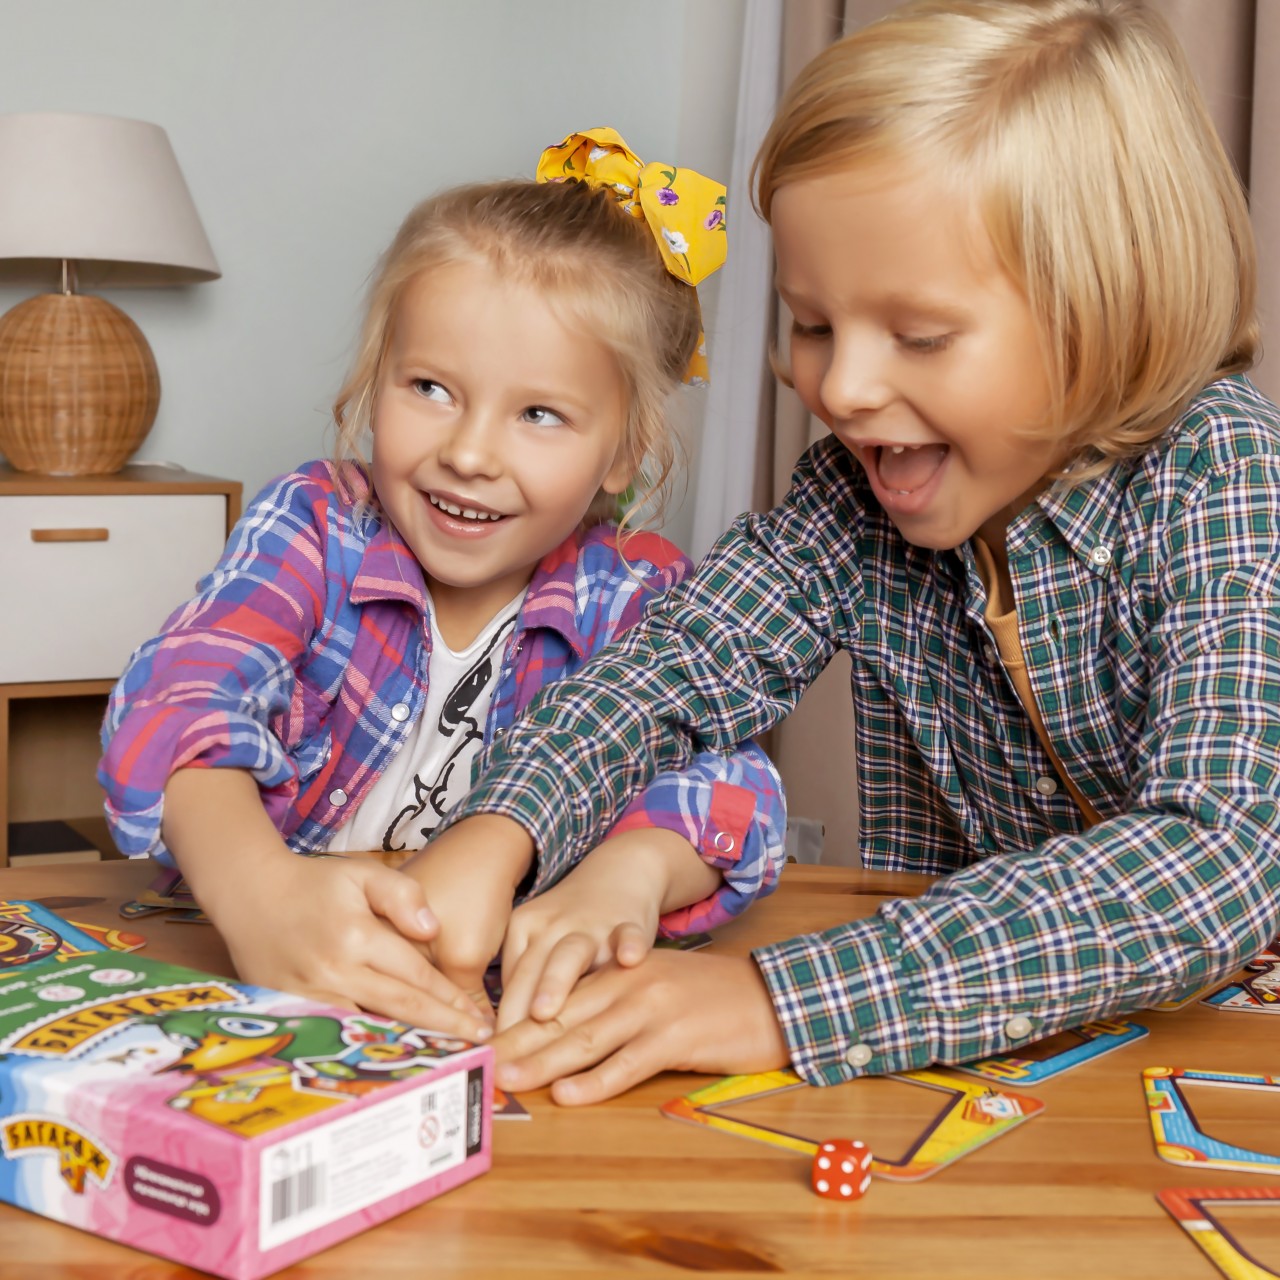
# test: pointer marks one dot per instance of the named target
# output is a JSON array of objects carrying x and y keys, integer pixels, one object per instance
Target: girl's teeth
[{"x": 465, "y": 512}]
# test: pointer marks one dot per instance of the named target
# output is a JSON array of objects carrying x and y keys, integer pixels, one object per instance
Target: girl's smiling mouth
[{"x": 463, "y": 511}]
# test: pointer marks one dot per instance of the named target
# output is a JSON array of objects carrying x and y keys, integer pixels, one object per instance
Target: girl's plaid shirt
[{"x": 312, "y": 630}]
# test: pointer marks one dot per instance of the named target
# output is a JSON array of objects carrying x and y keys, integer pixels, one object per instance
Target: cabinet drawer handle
[{"x": 70, "y": 535}]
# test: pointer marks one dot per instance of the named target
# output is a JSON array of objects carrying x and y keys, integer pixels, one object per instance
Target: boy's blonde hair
[
  {"x": 1107, "y": 195},
  {"x": 602, "y": 274}
]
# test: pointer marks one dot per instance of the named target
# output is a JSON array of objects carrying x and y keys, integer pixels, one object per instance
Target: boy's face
[
  {"x": 494, "y": 427},
  {"x": 914, "y": 348}
]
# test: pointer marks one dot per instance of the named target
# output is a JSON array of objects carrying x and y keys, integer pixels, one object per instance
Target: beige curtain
[{"x": 1234, "y": 47}]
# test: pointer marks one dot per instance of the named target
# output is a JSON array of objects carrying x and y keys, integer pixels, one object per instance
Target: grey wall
[{"x": 307, "y": 129}]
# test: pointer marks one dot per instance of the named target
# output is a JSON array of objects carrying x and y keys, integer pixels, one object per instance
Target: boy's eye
[
  {"x": 926, "y": 345},
  {"x": 540, "y": 416},
  {"x": 799, "y": 330},
  {"x": 430, "y": 390}
]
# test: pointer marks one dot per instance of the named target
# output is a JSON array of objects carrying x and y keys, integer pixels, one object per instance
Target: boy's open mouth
[{"x": 906, "y": 468}]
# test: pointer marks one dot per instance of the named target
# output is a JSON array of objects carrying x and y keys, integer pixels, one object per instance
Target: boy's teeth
[{"x": 904, "y": 468}]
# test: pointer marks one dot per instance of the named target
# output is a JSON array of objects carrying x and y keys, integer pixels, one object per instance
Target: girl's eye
[
  {"x": 540, "y": 416},
  {"x": 430, "y": 390},
  {"x": 925, "y": 346},
  {"x": 816, "y": 331}
]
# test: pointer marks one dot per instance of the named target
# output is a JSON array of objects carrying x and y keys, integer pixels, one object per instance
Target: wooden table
[{"x": 620, "y": 1190}]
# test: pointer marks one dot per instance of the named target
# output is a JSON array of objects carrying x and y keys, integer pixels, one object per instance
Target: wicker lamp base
[{"x": 79, "y": 387}]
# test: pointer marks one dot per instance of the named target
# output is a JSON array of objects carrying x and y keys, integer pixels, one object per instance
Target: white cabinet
[{"x": 89, "y": 568}]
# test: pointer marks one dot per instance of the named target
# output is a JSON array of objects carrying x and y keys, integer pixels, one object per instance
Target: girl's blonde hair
[
  {"x": 602, "y": 274},
  {"x": 1101, "y": 182}
]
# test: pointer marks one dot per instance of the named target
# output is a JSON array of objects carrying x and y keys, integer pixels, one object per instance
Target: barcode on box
[
  {"x": 340, "y": 1168},
  {"x": 297, "y": 1193}
]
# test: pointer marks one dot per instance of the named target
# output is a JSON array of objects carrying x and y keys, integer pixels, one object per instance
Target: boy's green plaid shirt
[{"x": 1149, "y": 609}]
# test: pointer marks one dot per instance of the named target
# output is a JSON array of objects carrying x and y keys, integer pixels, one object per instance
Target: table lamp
[{"x": 104, "y": 197}]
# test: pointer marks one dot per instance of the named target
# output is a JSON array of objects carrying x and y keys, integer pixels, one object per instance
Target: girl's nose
[
  {"x": 856, "y": 380},
  {"x": 472, "y": 446}
]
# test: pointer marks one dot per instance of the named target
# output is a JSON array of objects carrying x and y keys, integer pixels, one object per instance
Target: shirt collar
[
  {"x": 390, "y": 571},
  {"x": 1086, "y": 516}
]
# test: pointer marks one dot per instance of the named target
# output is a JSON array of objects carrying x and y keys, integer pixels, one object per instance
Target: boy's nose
[{"x": 856, "y": 380}]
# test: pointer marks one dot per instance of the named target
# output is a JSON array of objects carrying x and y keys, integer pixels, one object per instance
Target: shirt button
[
  {"x": 1047, "y": 786},
  {"x": 1100, "y": 555},
  {"x": 989, "y": 653},
  {"x": 1018, "y": 1028},
  {"x": 400, "y": 711},
  {"x": 723, "y": 842},
  {"x": 338, "y": 797},
  {"x": 497, "y": 733},
  {"x": 859, "y": 1055}
]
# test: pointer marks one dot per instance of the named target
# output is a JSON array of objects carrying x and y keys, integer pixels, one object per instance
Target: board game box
[{"x": 224, "y": 1125}]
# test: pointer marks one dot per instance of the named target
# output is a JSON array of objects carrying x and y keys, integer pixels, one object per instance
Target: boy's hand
[
  {"x": 605, "y": 909},
  {"x": 469, "y": 876},
  {"x": 347, "y": 932},
  {"x": 678, "y": 1011}
]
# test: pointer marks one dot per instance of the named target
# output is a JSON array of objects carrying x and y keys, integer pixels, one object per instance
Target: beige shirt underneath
[{"x": 1002, "y": 618}]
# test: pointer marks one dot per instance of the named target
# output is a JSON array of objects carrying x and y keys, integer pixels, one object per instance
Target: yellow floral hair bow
[{"x": 684, "y": 210}]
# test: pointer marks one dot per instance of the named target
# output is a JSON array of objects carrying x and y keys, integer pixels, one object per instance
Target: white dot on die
[
  {"x": 866, "y": 1182},
  {"x": 822, "y": 1185},
  {"x": 823, "y": 1162},
  {"x": 846, "y": 1189},
  {"x": 846, "y": 1166},
  {"x": 828, "y": 1146}
]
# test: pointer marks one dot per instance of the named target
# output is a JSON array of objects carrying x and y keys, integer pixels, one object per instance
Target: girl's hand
[
  {"x": 336, "y": 929},
  {"x": 678, "y": 1011},
  {"x": 469, "y": 877},
  {"x": 344, "y": 931},
  {"x": 606, "y": 908}
]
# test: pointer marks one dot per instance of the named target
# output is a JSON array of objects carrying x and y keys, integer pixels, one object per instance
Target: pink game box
[{"x": 227, "y": 1126}]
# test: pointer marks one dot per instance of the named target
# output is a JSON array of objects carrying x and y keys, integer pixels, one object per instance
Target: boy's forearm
[{"x": 219, "y": 832}]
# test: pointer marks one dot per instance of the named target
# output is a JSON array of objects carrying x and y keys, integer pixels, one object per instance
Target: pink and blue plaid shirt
[{"x": 303, "y": 658}]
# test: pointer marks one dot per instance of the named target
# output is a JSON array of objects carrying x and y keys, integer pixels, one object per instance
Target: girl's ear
[{"x": 619, "y": 476}]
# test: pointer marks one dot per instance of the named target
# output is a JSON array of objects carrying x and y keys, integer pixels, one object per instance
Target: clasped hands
[{"x": 585, "y": 1005}]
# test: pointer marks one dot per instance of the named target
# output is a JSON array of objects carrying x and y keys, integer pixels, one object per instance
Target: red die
[{"x": 842, "y": 1169}]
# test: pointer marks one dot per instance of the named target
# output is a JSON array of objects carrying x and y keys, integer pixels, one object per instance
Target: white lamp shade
[{"x": 100, "y": 190}]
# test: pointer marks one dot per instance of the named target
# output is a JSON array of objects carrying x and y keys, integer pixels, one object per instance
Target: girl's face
[
  {"x": 494, "y": 428},
  {"x": 914, "y": 347}
]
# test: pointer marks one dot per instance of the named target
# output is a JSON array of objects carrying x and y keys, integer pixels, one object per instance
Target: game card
[{"x": 1257, "y": 990}]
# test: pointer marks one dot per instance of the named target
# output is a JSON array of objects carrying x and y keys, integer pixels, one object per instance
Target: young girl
[
  {"x": 1046, "y": 527},
  {"x": 369, "y": 628}
]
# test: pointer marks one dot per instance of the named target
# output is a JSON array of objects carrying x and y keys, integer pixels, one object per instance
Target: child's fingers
[
  {"x": 399, "y": 971},
  {"x": 401, "y": 1000},
  {"x": 399, "y": 899},
  {"x": 632, "y": 1064},
  {"x": 518, "y": 986},
  {"x": 540, "y": 980},
  {"x": 630, "y": 944},
  {"x": 532, "y": 1060},
  {"x": 334, "y": 998},
  {"x": 571, "y": 957},
  {"x": 517, "y": 942}
]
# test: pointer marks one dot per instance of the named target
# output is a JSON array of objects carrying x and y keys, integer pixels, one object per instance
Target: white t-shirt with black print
[{"x": 432, "y": 770}]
